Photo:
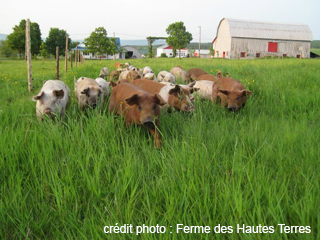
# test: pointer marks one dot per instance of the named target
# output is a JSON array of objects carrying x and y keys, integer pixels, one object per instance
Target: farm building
[
  {"x": 204, "y": 53},
  {"x": 168, "y": 50},
  {"x": 126, "y": 53},
  {"x": 252, "y": 39},
  {"x": 132, "y": 52}
]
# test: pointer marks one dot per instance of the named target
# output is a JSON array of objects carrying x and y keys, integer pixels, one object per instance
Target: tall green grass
[{"x": 69, "y": 179}]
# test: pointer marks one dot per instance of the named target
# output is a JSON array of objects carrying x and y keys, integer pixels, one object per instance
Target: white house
[
  {"x": 168, "y": 50},
  {"x": 126, "y": 53},
  {"x": 252, "y": 39}
]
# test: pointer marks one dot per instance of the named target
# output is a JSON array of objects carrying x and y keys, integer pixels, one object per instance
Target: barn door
[{"x": 224, "y": 54}]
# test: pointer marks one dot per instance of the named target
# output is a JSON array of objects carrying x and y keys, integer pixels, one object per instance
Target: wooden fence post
[
  {"x": 28, "y": 55},
  {"x": 76, "y": 56},
  {"x": 71, "y": 63},
  {"x": 66, "y": 55},
  {"x": 57, "y": 63}
]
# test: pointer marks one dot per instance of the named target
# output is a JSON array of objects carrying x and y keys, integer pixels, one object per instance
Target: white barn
[{"x": 251, "y": 39}]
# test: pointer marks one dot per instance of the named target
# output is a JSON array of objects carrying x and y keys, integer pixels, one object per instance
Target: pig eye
[
  {"x": 238, "y": 98},
  {"x": 154, "y": 107},
  {"x": 139, "y": 107}
]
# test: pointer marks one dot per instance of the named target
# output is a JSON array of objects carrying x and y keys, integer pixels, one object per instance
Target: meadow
[{"x": 70, "y": 179}]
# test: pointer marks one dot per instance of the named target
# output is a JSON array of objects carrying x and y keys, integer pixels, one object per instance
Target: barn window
[
  {"x": 272, "y": 47},
  {"x": 243, "y": 54},
  {"x": 285, "y": 55},
  {"x": 299, "y": 56},
  {"x": 257, "y": 55}
]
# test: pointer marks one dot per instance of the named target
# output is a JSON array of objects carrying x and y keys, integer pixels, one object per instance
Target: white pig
[
  {"x": 104, "y": 85},
  {"x": 52, "y": 99},
  {"x": 205, "y": 88},
  {"x": 165, "y": 76}
]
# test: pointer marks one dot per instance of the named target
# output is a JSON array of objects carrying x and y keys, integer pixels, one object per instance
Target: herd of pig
[{"x": 139, "y": 95}]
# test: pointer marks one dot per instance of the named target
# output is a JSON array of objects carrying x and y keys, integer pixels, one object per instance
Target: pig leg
[{"x": 214, "y": 93}]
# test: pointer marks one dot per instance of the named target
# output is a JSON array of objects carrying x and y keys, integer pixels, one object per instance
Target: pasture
[{"x": 70, "y": 179}]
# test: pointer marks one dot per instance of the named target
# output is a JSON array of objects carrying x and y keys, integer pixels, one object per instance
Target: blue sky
[{"x": 141, "y": 18}]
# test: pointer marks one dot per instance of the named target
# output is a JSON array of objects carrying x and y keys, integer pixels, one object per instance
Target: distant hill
[
  {"x": 315, "y": 44},
  {"x": 141, "y": 42},
  {"x": 3, "y": 36}
]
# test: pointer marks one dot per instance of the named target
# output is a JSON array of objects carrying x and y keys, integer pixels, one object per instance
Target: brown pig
[
  {"x": 114, "y": 75},
  {"x": 175, "y": 96},
  {"x": 232, "y": 93},
  {"x": 193, "y": 73},
  {"x": 138, "y": 107}
]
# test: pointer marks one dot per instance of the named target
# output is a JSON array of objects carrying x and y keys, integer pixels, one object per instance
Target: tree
[
  {"x": 5, "y": 51},
  {"x": 43, "y": 51},
  {"x": 74, "y": 44},
  {"x": 113, "y": 48},
  {"x": 178, "y": 37},
  {"x": 98, "y": 43},
  {"x": 211, "y": 51},
  {"x": 57, "y": 38},
  {"x": 17, "y": 39}
]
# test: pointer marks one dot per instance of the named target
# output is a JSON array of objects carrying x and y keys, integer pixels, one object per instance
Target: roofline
[
  {"x": 218, "y": 29},
  {"x": 274, "y": 39}
]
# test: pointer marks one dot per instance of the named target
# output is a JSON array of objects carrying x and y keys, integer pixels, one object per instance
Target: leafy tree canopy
[
  {"x": 57, "y": 38},
  {"x": 98, "y": 42},
  {"x": 113, "y": 47},
  {"x": 178, "y": 36},
  {"x": 16, "y": 40}
]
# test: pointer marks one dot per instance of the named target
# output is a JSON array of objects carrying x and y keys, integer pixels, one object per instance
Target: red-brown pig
[
  {"x": 232, "y": 93},
  {"x": 193, "y": 73},
  {"x": 175, "y": 96},
  {"x": 138, "y": 107}
]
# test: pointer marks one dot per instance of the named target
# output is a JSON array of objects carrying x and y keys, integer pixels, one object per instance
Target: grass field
[{"x": 70, "y": 179}]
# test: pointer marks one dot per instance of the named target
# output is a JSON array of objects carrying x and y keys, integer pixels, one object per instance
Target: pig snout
[
  {"x": 48, "y": 111},
  {"x": 232, "y": 108},
  {"x": 148, "y": 123}
]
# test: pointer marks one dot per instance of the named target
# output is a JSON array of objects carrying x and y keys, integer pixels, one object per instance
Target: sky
[{"x": 139, "y": 19}]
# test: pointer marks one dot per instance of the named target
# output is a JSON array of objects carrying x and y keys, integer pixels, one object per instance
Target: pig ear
[
  {"x": 58, "y": 93},
  {"x": 134, "y": 99},
  {"x": 175, "y": 90},
  {"x": 35, "y": 98},
  {"x": 246, "y": 92},
  {"x": 159, "y": 100},
  {"x": 226, "y": 92},
  {"x": 86, "y": 91},
  {"x": 192, "y": 84}
]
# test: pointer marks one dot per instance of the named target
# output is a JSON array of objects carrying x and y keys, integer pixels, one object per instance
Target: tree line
[{"x": 97, "y": 43}]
